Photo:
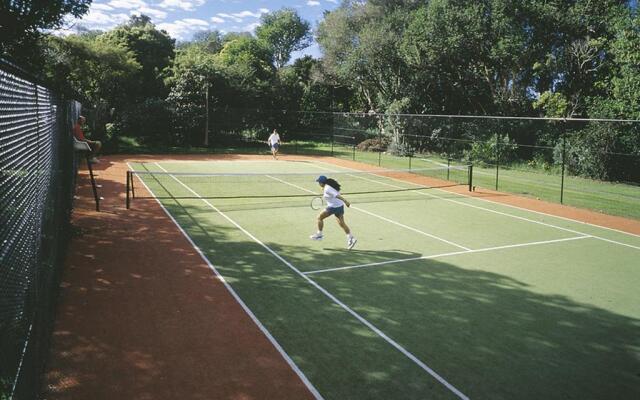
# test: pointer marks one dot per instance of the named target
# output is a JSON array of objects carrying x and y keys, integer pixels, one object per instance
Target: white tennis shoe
[
  {"x": 316, "y": 236},
  {"x": 351, "y": 242}
]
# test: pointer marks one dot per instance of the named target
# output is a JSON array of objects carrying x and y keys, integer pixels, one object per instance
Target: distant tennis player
[
  {"x": 274, "y": 143},
  {"x": 335, "y": 206}
]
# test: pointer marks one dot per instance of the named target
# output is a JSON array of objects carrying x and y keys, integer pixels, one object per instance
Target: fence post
[
  {"x": 564, "y": 147},
  {"x": 470, "y": 173},
  {"x": 206, "y": 124},
  {"x": 448, "y": 166},
  {"x": 379, "y": 142},
  {"x": 332, "y": 141},
  {"x": 497, "y": 158}
]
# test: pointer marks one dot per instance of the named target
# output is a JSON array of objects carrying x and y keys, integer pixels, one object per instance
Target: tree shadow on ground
[
  {"x": 489, "y": 335},
  {"x": 495, "y": 337}
]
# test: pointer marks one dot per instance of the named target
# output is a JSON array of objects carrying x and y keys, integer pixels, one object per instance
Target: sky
[{"x": 182, "y": 18}]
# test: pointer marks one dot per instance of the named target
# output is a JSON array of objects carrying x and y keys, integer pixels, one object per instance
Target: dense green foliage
[
  {"x": 563, "y": 58},
  {"x": 559, "y": 58},
  {"x": 22, "y": 20}
]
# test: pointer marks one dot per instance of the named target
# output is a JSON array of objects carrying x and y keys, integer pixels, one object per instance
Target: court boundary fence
[
  {"x": 37, "y": 176},
  {"x": 566, "y": 154}
]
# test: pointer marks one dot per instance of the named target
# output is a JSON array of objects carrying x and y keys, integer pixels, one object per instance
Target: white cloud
[
  {"x": 217, "y": 20},
  {"x": 313, "y": 3},
  {"x": 195, "y": 21},
  {"x": 101, "y": 7},
  {"x": 250, "y": 27},
  {"x": 96, "y": 19},
  {"x": 128, "y": 4},
  {"x": 186, "y": 5},
  {"x": 333, "y": 1},
  {"x": 157, "y": 14},
  {"x": 240, "y": 16},
  {"x": 229, "y": 16},
  {"x": 244, "y": 14},
  {"x": 183, "y": 29}
]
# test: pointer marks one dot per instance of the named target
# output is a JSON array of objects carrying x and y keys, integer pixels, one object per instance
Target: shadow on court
[
  {"x": 141, "y": 316},
  {"x": 492, "y": 337},
  {"x": 489, "y": 335},
  {"x": 163, "y": 327}
]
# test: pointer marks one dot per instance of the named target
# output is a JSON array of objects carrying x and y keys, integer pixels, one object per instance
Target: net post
[
  {"x": 133, "y": 189},
  {"x": 128, "y": 188},
  {"x": 93, "y": 183},
  {"x": 470, "y": 173}
]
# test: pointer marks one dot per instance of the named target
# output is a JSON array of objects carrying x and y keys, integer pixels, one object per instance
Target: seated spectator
[{"x": 79, "y": 135}]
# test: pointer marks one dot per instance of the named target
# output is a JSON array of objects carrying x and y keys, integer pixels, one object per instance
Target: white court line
[
  {"x": 499, "y": 204},
  {"x": 368, "y": 324},
  {"x": 255, "y": 320},
  {"x": 500, "y": 212},
  {"x": 455, "y": 253},
  {"x": 379, "y": 216}
]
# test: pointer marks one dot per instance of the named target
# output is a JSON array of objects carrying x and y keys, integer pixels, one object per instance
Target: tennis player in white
[
  {"x": 335, "y": 206},
  {"x": 274, "y": 143}
]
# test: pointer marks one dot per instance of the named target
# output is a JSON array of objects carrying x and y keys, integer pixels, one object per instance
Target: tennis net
[{"x": 289, "y": 188}]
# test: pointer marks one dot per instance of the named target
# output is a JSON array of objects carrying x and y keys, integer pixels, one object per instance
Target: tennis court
[{"x": 445, "y": 295}]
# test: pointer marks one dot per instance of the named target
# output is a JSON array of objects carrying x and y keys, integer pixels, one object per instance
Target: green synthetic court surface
[{"x": 444, "y": 295}]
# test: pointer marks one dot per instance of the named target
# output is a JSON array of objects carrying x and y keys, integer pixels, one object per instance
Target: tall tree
[
  {"x": 210, "y": 41},
  {"x": 91, "y": 68},
  {"x": 284, "y": 32},
  {"x": 248, "y": 60},
  {"x": 21, "y": 22},
  {"x": 153, "y": 49},
  {"x": 98, "y": 74}
]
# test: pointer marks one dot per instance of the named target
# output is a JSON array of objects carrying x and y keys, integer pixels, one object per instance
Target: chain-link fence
[
  {"x": 36, "y": 193},
  {"x": 585, "y": 163}
]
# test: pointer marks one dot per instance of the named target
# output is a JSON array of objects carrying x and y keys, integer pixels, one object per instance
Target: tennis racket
[{"x": 317, "y": 203}]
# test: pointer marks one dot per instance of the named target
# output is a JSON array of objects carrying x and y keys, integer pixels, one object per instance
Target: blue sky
[{"x": 182, "y": 18}]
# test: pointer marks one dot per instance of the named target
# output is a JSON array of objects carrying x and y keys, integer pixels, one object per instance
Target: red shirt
[{"x": 77, "y": 132}]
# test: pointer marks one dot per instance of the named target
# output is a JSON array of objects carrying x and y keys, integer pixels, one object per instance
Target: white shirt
[
  {"x": 273, "y": 139},
  {"x": 330, "y": 196}
]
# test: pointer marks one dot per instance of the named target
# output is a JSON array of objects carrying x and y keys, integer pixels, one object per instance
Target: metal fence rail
[
  {"x": 587, "y": 163},
  {"x": 37, "y": 175}
]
